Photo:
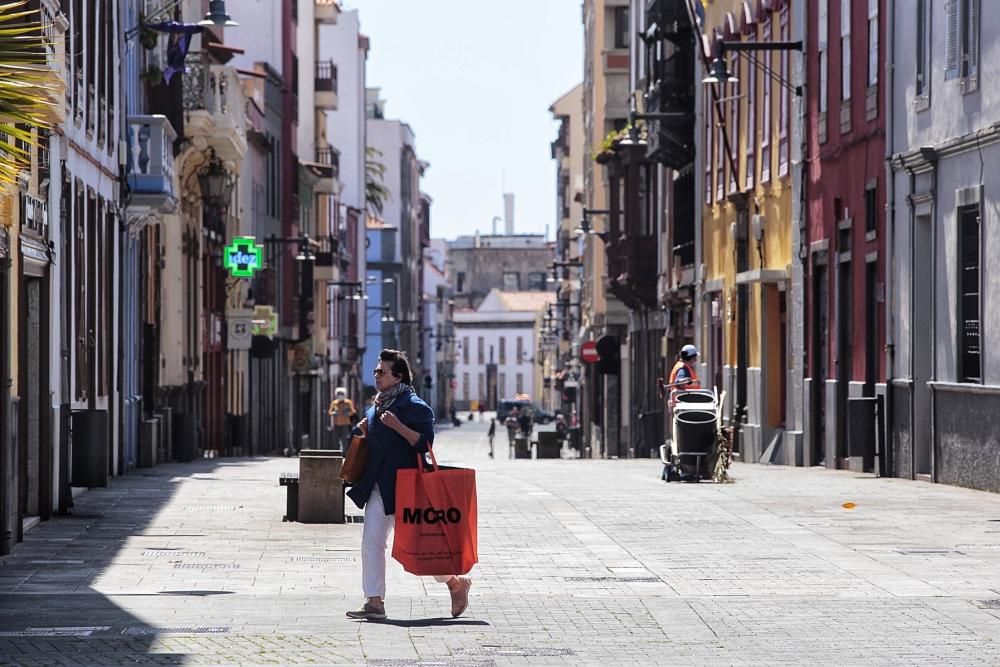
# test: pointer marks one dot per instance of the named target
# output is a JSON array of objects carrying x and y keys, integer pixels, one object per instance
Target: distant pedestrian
[
  {"x": 561, "y": 426},
  {"x": 482, "y": 409},
  {"x": 491, "y": 433},
  {"x": 511, "y": 424},
  {"x": 398, "y": 426},
  {"x": 525, "y": 422},
  {"x": 342, "y": 411}
]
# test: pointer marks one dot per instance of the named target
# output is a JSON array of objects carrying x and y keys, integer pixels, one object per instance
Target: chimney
[{"x": 508, "y": 213}]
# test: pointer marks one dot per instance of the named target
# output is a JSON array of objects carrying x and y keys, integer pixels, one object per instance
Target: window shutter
[
  {"x": 973, "y": 55},
  {"x": 824, "y": 25},
  {"x": 951, "y": 39}
]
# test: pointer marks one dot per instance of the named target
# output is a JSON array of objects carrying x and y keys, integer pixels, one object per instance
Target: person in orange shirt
[
  {"x": 684, "y": 376},
  {"x": 342, "y": 410}
]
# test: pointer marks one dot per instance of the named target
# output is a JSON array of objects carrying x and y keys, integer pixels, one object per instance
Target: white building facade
[{"x": 495, "y": 348}]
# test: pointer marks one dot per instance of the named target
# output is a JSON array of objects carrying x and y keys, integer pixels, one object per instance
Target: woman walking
[{"x": 399, "y": 426}]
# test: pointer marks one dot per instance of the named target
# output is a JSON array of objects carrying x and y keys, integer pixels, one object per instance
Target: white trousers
[{"x": 374, "y": 541}]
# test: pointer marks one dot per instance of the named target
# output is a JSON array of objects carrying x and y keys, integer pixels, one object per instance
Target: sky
[{"x": 475, "y": 80}]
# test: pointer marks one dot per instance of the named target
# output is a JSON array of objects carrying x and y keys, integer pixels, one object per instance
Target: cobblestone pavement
[{"x": 581, "y": 562}]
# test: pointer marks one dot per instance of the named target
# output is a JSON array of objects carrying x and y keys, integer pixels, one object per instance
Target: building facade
[
  {"x": 941, "y": 317},
  {"x": 496, "y": 346},
  {"x": 607, "y": 34}
]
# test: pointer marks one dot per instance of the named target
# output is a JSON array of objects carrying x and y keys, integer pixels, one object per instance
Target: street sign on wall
[
  {"x": 239, "y": 332},
  {"x": 588, "y": 352}
]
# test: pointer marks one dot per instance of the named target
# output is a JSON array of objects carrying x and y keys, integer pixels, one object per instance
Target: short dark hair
[{"x": 400, "y": 364}]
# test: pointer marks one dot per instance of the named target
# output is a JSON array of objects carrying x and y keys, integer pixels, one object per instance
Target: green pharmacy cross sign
[{"x": 242, "y": 257}]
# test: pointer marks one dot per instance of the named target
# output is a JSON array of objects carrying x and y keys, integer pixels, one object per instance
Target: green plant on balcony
[
  {"x": 147, "y": 37},
  {"x": 605, "y": 150},
  {"x": 153, "y": 75}
]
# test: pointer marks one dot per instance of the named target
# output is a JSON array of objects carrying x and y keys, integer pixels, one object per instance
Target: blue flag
[{"x": 178, "y": 49}]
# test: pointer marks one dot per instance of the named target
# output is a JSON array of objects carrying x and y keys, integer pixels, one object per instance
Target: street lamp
[
  {"x": 718, "y": 70},
  {"x": 217, "y": 16},
  {"x": 555, "y": 266},
  {"x": 216, "y": 183},
  {"x": 585, "y": 227},
  {"x": 354, "y": 291}
]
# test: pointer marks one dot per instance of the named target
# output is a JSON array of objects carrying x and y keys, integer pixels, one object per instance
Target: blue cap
[{"x": 689, "y": 351}]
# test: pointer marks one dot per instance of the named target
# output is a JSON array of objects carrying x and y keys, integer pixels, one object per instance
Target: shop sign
[{"x": 243, "y": 257}]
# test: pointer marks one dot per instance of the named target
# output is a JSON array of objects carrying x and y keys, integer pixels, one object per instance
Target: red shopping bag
[{"x": 436, "y": 520}]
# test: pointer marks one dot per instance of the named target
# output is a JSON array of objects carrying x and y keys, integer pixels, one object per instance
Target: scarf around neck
[{"x": 384, "y": 399}]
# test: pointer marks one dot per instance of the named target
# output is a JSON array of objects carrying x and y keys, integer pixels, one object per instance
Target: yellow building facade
[{"x": 745, "y": 161}]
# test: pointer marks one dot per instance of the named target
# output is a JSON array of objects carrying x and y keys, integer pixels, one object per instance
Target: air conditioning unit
[{"x": 757, "y": 224}]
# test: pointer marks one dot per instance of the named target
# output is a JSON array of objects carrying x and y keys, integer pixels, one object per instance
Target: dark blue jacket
[{"x": 388, "y": 451}]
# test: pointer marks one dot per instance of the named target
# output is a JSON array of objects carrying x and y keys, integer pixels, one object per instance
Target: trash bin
[
  {"x": 574, "y": 438},
  {"x": 321, "y": 491},
  {"x": 90, "y": 448},
  {"x": 694, "y": 439},
  {"x": 700, "y": 396},
  {"x": 861, "y": 433},
  {"x": 185, "y": 436},
  {"x": 549, "y": 446},
  {"x": 166, "y": 451},
  {"x": 290, "y": 480},
  {"x": 149, "y": 446}
]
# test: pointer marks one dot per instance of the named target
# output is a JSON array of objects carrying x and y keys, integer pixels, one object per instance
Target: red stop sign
[{"x": 588, "y": 352}]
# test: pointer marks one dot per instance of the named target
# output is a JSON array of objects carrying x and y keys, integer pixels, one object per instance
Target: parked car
[
  {"x": 506, "y": 405},
  {"x": 543, "y": 416}
]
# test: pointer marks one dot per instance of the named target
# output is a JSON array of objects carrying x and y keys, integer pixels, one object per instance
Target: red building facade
[{"x": 845, "y": 227}]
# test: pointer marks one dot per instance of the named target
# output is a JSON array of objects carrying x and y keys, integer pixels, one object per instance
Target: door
[
  {"x": 845, "y": 353},
  {"x": 922, "y": 353},
  {"x": 820, "y": 352},
  {"x": 36, "y": 452}
]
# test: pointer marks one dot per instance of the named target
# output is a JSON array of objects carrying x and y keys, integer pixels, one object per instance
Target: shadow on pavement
[
  {"x": 55, "y": 608},
  {"x": 427, "y": 622}
]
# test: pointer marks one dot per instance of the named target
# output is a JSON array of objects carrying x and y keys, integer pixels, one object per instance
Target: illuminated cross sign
[{"x": 242, "y": 257}]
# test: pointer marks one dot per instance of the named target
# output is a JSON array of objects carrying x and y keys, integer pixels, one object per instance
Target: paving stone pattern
[{"x": 581, "y": 563}]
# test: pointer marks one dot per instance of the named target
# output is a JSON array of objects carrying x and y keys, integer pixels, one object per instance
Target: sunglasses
[{"x": 378, "y": 372}]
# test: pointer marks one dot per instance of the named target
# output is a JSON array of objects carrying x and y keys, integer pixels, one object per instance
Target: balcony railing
[
  {"x": 326, "y": 76},
  {"x": 329, "y": 156},
  {"x": 150, "y": 159},
  {"x": 215, "y": 89}
]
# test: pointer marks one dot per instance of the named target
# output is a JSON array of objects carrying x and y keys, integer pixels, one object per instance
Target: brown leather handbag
[{"x": 356, "y": 460}]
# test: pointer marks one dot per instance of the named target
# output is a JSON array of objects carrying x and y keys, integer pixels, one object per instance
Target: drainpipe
[{"x": 890, "y": 309}]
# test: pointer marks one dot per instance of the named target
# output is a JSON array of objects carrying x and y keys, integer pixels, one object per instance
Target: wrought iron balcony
[
  {"x": 215, "y": 107},
  {"x": 632, "y": 271},
  {"x": 150, "y": 162}
]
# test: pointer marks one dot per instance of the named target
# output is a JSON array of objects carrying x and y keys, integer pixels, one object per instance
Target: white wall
[
  {"x": 345, "y": 126},
  {"x": 491, "y": 335},
  {"x": 259, "y": 33},
  {"x": 305, "y": 50}
]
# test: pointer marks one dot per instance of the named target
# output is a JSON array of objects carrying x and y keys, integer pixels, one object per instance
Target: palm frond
[{"x": 26, "y": 88}]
